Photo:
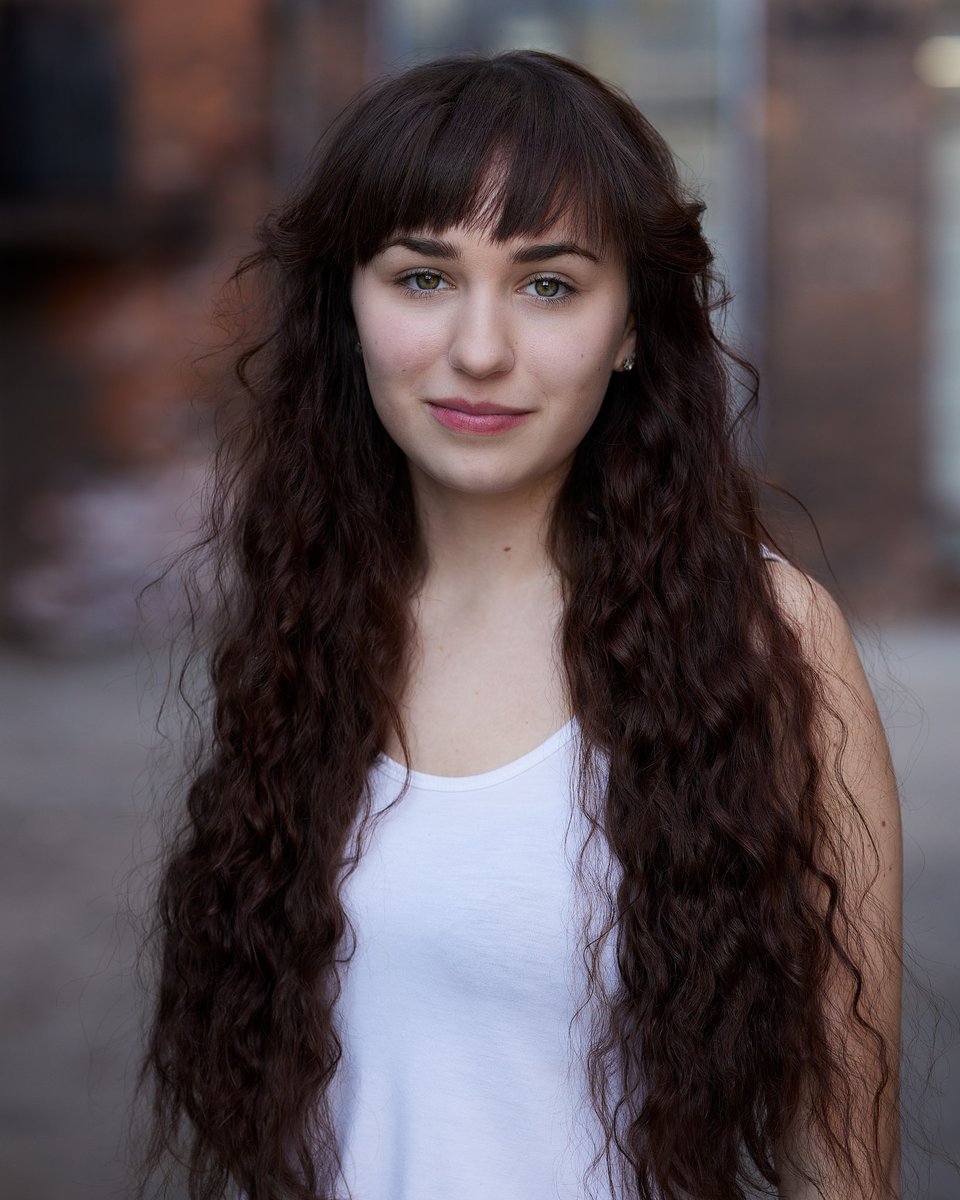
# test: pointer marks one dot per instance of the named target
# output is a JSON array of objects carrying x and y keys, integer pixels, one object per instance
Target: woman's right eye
[{"x": 422, "y": 281}]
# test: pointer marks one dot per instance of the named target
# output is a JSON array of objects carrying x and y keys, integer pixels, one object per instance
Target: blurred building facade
[
  {"x": 848, "y": 122},
  {"x": 135, "y": 159},
  {"x": 143, "y": 141}
]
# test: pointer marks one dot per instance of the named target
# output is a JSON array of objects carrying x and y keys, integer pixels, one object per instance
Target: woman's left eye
[{"x": 545, "y": 287}]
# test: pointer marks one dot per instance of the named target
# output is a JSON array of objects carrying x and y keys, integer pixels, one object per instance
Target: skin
[
  {"x": 457, "y": 315},
  {"x": 486, "y": 685},
  {"x": 475, "y": 324}
]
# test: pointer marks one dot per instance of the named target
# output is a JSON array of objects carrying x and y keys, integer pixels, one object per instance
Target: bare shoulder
[
  {"x": 812, "y": 611},
  {"x": 849, "y": 718},
  {"x": 826, "y": 639}
]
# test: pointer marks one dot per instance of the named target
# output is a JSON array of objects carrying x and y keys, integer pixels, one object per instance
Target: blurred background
[{"x": 140, "y": 143}]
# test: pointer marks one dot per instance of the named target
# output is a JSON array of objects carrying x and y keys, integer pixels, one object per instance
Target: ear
[{"x": 628, "y": 345}]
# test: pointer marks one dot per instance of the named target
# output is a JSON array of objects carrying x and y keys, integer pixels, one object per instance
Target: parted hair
[{"x": 690, "y": 684}]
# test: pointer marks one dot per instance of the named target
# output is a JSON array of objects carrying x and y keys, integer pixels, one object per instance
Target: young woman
[{"x": 545, "y": 842}]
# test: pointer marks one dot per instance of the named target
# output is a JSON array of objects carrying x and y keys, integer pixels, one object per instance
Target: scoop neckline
[{"x": 466, "y": 783}]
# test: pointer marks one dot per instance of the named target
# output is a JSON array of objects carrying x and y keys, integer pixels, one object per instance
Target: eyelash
[{"x": 570, "y": 292}]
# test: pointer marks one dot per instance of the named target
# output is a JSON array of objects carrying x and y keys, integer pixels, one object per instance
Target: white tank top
[
  {"x": 462, "y": 1075},
  {"x": 459, "y": 1077}
]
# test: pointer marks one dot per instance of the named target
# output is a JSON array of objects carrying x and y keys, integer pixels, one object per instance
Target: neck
[{"x": 484, "y": 547}]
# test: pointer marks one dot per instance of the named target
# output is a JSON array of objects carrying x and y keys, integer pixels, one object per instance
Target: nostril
[{"x": 481, "y": 356}]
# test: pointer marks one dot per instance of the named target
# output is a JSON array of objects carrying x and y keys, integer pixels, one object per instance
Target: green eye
[
  {"x": 547, "y": 288},
  {"x": 427, "y": 281}
]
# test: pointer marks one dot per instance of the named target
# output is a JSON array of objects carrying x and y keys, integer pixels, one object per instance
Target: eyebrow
[
  {"x": 543, "y": 250},
  {"x": 437, "y": 248}
]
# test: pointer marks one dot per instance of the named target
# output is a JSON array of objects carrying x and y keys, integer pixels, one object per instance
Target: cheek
[
  {"x": 397, "y": 354},
  {"x": 396, "y": 346},
  {"x": 576, "y": 359}
]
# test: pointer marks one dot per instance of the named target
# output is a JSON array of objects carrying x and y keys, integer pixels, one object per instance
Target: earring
[
  {"x": 358, "y": 348},
  {"x": 628, "y": 362}
]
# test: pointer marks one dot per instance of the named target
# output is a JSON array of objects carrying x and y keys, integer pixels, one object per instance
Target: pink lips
[{"x": 475, "y": 418}]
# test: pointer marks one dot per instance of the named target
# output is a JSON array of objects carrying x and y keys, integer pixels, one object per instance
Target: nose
[{"x": 480, "y": 341}]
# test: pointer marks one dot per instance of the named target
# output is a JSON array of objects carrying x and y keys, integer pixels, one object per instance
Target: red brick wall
[{"x": 847, "y": 126}]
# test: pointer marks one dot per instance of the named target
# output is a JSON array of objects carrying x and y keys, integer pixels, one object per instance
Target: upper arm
[{"x": 872, "y": 849}]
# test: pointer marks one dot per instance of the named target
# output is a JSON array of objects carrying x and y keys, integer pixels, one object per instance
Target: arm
[{"x": 874, "y": 898}]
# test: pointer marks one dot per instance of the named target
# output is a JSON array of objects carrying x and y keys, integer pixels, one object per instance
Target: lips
[
  {"x": 471, "y": 421},
  {"x": 481, "y": 409}
]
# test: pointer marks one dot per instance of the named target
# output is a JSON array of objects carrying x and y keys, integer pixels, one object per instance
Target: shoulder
[
  {"x": 849, "y": 722},
  {"x": 800, "y": 596},
  {"x": 848, "y": 717},
  {"x": 824, "y": 632}
]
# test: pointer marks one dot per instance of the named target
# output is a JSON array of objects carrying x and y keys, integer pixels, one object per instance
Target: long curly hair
[{"x": 699, "y": 709}]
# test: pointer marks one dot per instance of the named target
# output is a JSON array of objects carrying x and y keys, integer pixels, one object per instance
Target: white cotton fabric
[
  {"x": 460, "y": 1076},
  {"x": 463, "y": 1073}
]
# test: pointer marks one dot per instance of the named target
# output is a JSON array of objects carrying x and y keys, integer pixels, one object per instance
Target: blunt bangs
[{"x": 513, "y": 144}]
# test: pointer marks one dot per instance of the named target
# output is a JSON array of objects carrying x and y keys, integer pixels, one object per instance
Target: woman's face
[{"x": 533, "y": 326}]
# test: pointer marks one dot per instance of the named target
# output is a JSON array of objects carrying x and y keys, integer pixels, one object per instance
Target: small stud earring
[
  {"x": 628, "y": 362},
  {"x": 358, "y": 348}
]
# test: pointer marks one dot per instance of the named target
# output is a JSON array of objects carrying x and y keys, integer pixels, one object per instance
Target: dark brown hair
[{"x": 688, "y": 681}]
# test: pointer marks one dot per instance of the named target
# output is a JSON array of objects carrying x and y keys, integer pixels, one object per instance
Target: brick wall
[{"x": 847, "y": 124}]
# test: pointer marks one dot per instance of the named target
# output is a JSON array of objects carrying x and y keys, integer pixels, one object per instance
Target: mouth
[
  {"x": 482, "y": 409},
  {"x": 476, "y": 418}
]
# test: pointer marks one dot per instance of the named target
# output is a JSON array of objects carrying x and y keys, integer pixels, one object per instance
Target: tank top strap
[{"x": 766, "y": 552}]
